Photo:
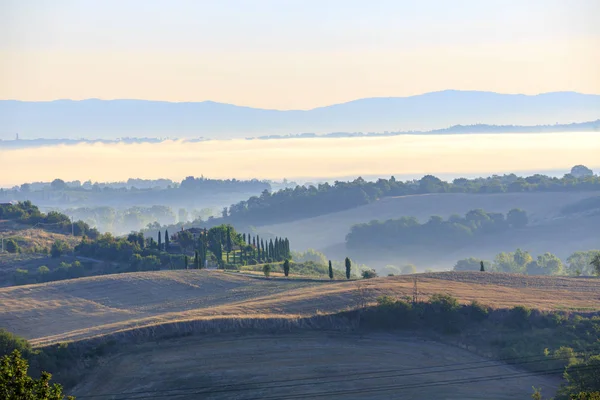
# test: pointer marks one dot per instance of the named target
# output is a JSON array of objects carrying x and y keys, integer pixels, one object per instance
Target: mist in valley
[{"x": 304, "y": 159}]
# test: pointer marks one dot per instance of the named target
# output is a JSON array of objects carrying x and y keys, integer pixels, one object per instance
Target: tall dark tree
[
  {"x": 159, "y": 241},
  {"x": 348, "y": 267},
  {"x": 258, "y": 253},
  {"x": 288, "y": 253},
  {"x": 167, "y": 243},
  {"x": 262, "y": 249},
  {"x": 271, "y": 249},
  {"x": 482, "y": 269},
  {"x": 186, "y": 261},
  {"x": 286, "y": 268},
  {"x": 196, "y": 260},
  {"x": 330, "y": 270},
  {"x": 228, "y": 243}
]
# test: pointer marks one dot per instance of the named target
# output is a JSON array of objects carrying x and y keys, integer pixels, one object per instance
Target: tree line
[
  {"x": 397, "y": 234},
  {"x": 580, "y": 263},
  {"x": 308, "y": 201},
  {"x": 28, "y": 214}
]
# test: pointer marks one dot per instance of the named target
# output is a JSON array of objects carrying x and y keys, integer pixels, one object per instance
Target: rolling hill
[
  {"x": 218, "y": 335},
  {"x": 306, "y": 365},
  {"x": 83, "y": 308},
  {"x": 549, "y": 229},
  {"x": 111, "y": 119}
]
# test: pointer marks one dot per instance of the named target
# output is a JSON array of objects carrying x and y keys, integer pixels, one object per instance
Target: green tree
[
  {"x": 11, "y": 246},
  {"x": 482, "y": 269},
  {"x": 521, "y": 259},
  {"x": 517, "y": 218},
  {"x": 348, "y": 264},
  {"x": 468, "y": 264},
  {"x": 167, "y": 240},
  {"x": 583, "y": 375},
  {"x": 159, "y": 240},
  {"x": 286, "y": 267},
  {"x": 185, "y": 240},
  {"x": 58, "y": 184},
  {"x": 196, "y": 260},
  {"x": 58, "y": 248},
  {"x": 16, "y": 384},
  {"x": 186, "y": 261},
  {"x": 267, "y": 270},
  {"x": 596, "y": 263},
  {"x": 330, "y": 270},
  {"x": 408, "y": 269},
  {"x": 546, "y": 264},
  {"x": 369, "y": 273}
]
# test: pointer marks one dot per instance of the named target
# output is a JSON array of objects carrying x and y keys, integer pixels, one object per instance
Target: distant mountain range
[{"x": 112, "y": 119}]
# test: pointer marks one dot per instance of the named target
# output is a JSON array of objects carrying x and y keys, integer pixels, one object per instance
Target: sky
[
  {"x": 294, "y": 54},
  {"x": 306, "y": 159}
]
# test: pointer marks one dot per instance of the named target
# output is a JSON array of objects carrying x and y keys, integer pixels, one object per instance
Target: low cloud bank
[{"x": 304, "y": 158}]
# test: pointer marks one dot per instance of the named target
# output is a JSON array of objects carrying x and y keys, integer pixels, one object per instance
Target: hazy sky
[
  {"x": 414, "y": 155},
  {"x": 295, "y": 53}
]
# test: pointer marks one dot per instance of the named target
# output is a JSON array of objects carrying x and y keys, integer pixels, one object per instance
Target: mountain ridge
[{"x": 110, "y": 119}]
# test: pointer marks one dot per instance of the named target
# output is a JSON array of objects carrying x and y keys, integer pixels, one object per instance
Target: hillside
[
  {"x": 307, "y": 365},
  {"x": 86, "y": 307},
  {"x": 549, "y": 230},
  {"x": 93, "y": 118}
]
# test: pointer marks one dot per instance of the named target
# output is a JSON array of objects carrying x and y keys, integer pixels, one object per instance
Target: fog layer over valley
[{"x": 304, "y": 158}]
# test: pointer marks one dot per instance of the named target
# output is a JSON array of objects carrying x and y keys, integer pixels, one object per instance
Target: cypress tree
[
  {"x": 185, "y": 261},
  {"x": 271, "y": 249},
  {"x": 166, "y": 240},
  {"x": 262, "y": 248},
  {"x": 244, "y": 237},
  {"x": 228, "y": 245},
  {"x": 288, "y": 253},
  {"x": 330, "y": 270},
  {"x": 482, "y": 269},
  {"x": 196, "y": 260},
  {"x": 159, "y": 241},
  {"x": 258, "y": 255},
  {"x": 348, "y": 267}
]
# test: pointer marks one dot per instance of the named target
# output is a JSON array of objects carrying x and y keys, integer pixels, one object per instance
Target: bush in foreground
[{"x": 16, "y": 384}]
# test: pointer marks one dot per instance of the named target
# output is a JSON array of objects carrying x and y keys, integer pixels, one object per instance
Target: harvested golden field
[
  {"x": 305, "y": 365},
  {"x": 88, "y": 307}
]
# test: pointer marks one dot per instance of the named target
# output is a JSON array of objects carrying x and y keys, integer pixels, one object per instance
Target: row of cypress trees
[{"x": 252, "y": 249}]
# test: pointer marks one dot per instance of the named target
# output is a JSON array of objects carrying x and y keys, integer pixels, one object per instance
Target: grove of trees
[{"x": 396, "y": 234}]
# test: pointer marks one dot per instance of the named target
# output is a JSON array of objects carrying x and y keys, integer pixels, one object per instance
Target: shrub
[
  {"x": 444, "y": 302},
  {"x": 386, "y": 301},
  {"x": 518, "y": 317},
  {"x": 11, "y": 246},
  {"x": 43, "y": 270},
  {"x": 368, "y": 274},
  {"x": 21, "y": 276},
  {"x": 10, "y": 342},
  {"x": 477, "y": 311},
  {"x": 267, "y": 270},
  {"x": 58, "y": 249}
]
